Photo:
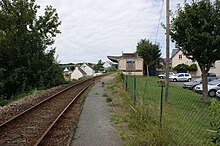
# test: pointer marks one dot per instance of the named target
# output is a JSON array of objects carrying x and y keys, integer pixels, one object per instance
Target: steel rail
[
  {"x": 50, "y": 97},
  {"x": 58, "y": 117}
]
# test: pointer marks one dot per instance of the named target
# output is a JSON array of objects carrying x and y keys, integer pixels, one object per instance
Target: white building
[
  {"x": 107, "y": 65},
  {"x": 77, "y": 73},
  {"x": 88, "y": 69}
]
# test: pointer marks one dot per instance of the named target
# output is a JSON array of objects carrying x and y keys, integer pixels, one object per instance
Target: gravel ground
[
  {"x": 10, "y": 110},
  {"x": 26, "y": 130},
  {"x": 94, "y": 127}
]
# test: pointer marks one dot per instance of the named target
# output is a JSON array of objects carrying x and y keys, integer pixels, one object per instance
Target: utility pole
[{"x": 167, "y": 50}]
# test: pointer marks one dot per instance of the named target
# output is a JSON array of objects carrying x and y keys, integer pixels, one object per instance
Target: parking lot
[
  {"x": 177, "y": 83},
  {"x": 180, "y": 83}
]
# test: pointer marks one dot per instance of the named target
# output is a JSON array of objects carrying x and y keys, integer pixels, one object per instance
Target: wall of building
[
  {"x": 122, "y": 64},
  {"x": 76, "y": 74},
  {"x": 124, "y": 67},
  {"x": 133, "y": 73},
  {"x": 176, "y": 60},
  {"x": 216, "y": 68},
  {"x": 88, "y": 70}
]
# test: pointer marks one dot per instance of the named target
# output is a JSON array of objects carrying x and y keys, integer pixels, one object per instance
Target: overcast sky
[{"x": 93, "y": 29}]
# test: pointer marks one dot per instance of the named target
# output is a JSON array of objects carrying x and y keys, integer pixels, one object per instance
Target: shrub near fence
[{"x": 184, "y": 120}]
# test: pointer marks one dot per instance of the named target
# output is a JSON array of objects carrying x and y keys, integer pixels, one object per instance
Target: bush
[
  {"x": 192, "y": 67},
  {"x": 181, "y": 66}
]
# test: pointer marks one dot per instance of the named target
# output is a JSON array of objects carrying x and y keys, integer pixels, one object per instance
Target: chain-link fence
[{"x": 184, "y": 120}]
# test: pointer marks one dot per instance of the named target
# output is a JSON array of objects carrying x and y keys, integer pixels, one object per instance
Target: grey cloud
[{"x": 93, "y": 29}]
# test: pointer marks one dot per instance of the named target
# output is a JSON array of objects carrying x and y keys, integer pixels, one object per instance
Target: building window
[
  {"x": 180, "y": 57},
  {"x": 130, "y": 64}
]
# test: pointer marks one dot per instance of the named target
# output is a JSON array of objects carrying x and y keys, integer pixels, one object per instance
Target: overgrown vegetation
[
  {"x": 184, "y": 120},
  {"x": 26, "y": 61},
  {"x": 214, "y": 113},
  {"x": 99, "y": 66},
  {"x": 4, "y": 101},
  {"x": 137, "y": 123}
]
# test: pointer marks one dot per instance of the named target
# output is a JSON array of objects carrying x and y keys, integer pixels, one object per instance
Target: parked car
[
  {"x": 163, "y": 75},
  {"x": 218, "y": 93},
  {"x": 190, "y": 85},
  {"x": 211, "y": 75},
  {"x": 181, "y": 77},
  {"x": 213, "y": 86}
]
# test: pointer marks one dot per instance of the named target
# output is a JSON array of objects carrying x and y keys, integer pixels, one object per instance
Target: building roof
[
  {"x": 174, "y": 52},
  {"x": 124, "y": 55},
  {"x": 65, "y": 70},
  {"x": 84, "y": 73},
  {"x": 114, "y": 58},
  {"x": 88, "y": 65},
  {"x": 129, "y": 55}
]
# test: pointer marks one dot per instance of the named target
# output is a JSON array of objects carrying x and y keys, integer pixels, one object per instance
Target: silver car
[
  {"x": 213, "y": 86},
  {"x": 190, "y": 85},
  {"x": 181, "y": 77},
  {"x": 162, "y": 76},
  {"x": 218, "y": 93}
]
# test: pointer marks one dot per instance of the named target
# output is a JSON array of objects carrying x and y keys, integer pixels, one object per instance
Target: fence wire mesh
[{"x": 185, "y": 119}]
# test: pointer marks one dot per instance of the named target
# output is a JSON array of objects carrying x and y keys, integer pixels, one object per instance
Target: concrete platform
[{"x": 94, "y": 127}]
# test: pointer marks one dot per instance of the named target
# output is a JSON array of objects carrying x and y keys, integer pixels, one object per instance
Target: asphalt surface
[
  {"x": 178, "y": 83},
  {"x": 94, "y": 127}
]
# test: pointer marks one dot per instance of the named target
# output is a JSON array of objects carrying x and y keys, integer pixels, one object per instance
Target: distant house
[
  {"x": 87, "y": 69},
  {"x": 129, "y": 63},
  {"x": 77, "y": 73},
  {"x": 107, "y": 65},
  {"x": 66, "y": 73},
  {"x": 178, "y": 57}
]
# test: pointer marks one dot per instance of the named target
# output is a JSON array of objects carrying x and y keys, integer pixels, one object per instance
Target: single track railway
[{"x": 33, "y": 125}]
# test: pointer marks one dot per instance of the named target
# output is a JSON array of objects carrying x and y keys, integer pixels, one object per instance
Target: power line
[{"x": 159, "y": 20}]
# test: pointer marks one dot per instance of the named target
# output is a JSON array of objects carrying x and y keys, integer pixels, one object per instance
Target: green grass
[
  {"x": 185, "y": 119},
  {"x": 105, "y": 95}
]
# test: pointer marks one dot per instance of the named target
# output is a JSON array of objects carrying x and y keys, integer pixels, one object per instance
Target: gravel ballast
[{"x": 12, "y": 109}]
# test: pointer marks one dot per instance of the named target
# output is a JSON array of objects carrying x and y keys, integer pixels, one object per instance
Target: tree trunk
[
  {"x": 205, "y": 86},
  {"x": 148, "y": 70},
  {"x": 204, "y": 82}
]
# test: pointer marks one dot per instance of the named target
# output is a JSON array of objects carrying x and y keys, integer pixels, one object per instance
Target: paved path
[{"x": 94, "y": 127}]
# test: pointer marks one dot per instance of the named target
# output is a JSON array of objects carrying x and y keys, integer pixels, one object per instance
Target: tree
[
  {"x": 24, "y": 38},
  {"x": 196, "y": 31},
  {"x": 149, "y": 52},
  {"x": 99, "y": 66}
]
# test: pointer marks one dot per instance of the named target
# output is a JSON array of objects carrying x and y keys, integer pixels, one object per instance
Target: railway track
[{"x": 31, "y": 127}]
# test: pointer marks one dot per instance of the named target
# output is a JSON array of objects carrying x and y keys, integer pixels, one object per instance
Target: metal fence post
[
  {"x": 134, "y": 90},
  {"x": 126, "y": 82},
  {"x": 161, "y": 106}
]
